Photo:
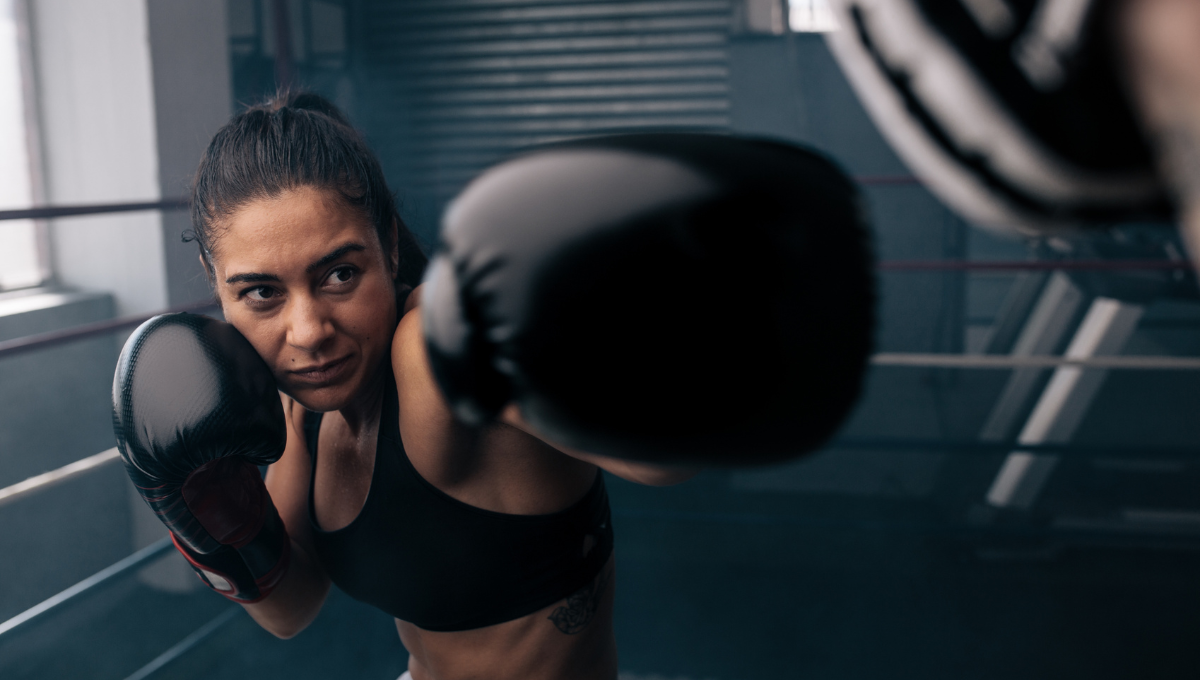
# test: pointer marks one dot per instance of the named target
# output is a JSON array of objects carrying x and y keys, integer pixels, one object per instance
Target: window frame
[{"x": 21, "y": 16}]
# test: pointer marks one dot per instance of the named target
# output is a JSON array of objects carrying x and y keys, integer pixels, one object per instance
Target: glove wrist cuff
[{"x": 249, "y": 572}]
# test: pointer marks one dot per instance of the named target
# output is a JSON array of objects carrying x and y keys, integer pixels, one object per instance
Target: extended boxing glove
[
  {"x": 678, "y": 297},
  {"x": 196, "y": 411}
]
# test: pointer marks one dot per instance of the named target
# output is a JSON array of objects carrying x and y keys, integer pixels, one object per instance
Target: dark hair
[{"x": 292, "y": 140}]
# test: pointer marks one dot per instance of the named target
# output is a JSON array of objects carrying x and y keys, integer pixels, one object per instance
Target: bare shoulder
[
  {"x": 425, "y": 417},
  {"x": 409, "y": 361},
  {"x": 407, "y": 345}
]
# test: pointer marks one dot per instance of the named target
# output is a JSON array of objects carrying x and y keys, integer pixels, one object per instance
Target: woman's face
[{"x": 304, "y": 277}]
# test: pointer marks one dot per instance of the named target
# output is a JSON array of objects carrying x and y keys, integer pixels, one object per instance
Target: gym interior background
[{"x": 1014, "y": 521}]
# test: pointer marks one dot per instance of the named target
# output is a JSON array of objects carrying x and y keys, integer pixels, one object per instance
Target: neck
[{"x": 362, "y": 412}]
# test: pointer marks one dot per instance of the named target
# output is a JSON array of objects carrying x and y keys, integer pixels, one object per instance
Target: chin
[{"x": 320, "y": 399}]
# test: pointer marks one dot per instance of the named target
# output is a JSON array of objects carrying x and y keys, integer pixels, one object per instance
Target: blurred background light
[
  {"x": 811, "y": 16},
  {"x": 18, "y": 238}
]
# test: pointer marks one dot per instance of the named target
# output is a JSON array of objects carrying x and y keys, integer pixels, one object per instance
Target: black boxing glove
[
  {"x": 196, "y": 411},
  {"x": 680, "y": 297}
]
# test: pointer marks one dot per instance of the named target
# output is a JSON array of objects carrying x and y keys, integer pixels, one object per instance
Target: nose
[{"x": 310, "y": 326}]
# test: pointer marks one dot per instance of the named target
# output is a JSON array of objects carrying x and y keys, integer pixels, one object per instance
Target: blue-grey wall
[{"x": 55, "y": 408}]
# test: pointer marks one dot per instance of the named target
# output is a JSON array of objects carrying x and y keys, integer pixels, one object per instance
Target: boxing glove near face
[
  {"x": 195, "y": 412},
  {"x": 667, "y": 297}
]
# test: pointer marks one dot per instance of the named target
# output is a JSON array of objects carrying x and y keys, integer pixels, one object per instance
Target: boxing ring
[{"x": 1029, "y": 459}]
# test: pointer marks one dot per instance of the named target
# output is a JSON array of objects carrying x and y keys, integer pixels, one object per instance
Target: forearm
[
  {"x": 632, "y": 471},
  {"x": 297, "y": 599},
  {"x": 640, "y": 473}
]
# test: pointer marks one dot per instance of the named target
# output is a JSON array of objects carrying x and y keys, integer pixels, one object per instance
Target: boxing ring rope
[
  {"x": 48, "y": 212},
  {"x": 162, "y": 546},
  {"x": 884, "y": 359},
  {"x": 1031, "y": 265},
  {"x": 134, "y": 561},
  {"x": 907, "y": 360},
  {"x": 185, "y": 645},
  {"x": 1004, "y": 361},
  {"x": 182, "y": 203},
  {"x": 42, "y": 340},
  {"x": 47, "y": 479}
]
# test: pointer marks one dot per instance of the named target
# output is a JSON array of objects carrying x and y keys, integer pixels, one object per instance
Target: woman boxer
[
  {"x": 314, "y": 269},
  {"x": 491, "y": 547}
]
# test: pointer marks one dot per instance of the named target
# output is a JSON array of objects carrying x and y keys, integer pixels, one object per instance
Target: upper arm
[
  {"x": 440, "y": 447},
  {"x": 423, "y": 403}
]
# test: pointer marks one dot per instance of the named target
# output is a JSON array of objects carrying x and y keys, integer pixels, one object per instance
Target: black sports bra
[{"x": 443, "y": 565}]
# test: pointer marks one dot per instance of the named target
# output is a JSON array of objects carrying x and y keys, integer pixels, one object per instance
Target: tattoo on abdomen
[{"x": 580, "y": 608}]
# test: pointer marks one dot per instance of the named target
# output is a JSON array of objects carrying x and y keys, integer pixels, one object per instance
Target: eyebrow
[
  {"x": 332, "y": 256},
  {"x": 251, "y": 278}
]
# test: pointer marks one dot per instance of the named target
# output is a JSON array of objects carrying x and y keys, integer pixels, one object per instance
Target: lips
[{"x": 319, "y": 374}]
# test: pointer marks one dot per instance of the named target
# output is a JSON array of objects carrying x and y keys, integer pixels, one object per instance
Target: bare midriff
[{"x": 572, "y": 638}]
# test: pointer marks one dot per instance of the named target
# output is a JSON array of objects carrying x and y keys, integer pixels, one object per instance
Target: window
[
  {"x": 811, "y": 16},
  {"x": 20, "y": 261}
]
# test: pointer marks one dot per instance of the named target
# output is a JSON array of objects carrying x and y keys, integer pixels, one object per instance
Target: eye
[
  {"x": 341, "y": 276},
  {"x": 260, "y": 293}
]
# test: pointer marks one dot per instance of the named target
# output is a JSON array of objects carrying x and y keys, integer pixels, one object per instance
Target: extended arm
[
  {"x": 670, "y": 298},
  {"x": 633, "y": 471}
]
